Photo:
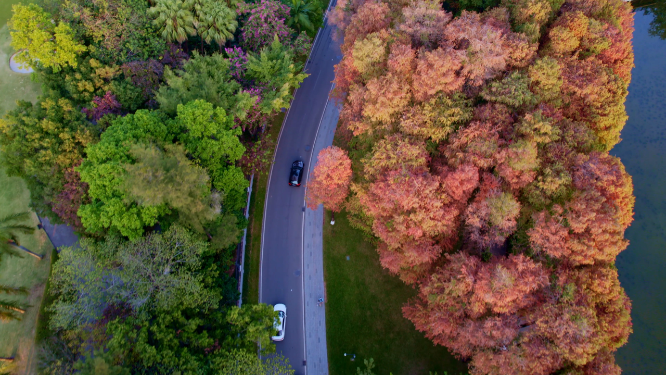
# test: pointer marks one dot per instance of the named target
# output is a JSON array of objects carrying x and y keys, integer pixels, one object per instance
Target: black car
[{"x": 296, "y": 173}]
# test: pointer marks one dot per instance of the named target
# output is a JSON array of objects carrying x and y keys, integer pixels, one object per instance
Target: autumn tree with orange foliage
[
  {"x": 330, "y": 179},
  {"x": 480, "y": 146}
]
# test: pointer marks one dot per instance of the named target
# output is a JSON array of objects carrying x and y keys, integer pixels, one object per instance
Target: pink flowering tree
[
  {"x": 237, "y": 62},
  {"x": 264, "y": 21},
  {"x": 255, "y": 118}
]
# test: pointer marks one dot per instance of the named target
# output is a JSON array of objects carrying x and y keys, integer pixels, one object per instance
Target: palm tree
[
  {"x": 174, "y": 18},
  {"x": 303, "y": 14},
  {"x": 218, "y": 24},
  {"x": 10, "y": 228},
  {"x": 10, "y": 310}
]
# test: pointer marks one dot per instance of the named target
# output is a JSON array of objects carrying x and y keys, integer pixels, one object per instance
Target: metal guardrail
[{"x": 241, "y": 272}]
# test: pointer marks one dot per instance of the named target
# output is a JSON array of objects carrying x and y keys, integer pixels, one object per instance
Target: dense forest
[
  {"x": 476, "y": 137},
  {"x": 153, "y": 114}
]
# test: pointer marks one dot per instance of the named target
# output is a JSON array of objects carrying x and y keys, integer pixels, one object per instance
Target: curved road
[{"x": 282, "y": 275}]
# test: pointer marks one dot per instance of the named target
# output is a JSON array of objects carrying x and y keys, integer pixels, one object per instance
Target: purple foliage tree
[
  {"x": 174, "y": 56},
  {"x": 148, "y": 74},
  {"x": 102, "y": 106},
  {"x": 144, "y": 74}
]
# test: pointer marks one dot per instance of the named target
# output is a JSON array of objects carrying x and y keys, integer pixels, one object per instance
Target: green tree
[
  {"x": 477, "y": 5},
  {"x": 178, "y": 339},
  {"x": 250, "y": 325},
  {"x": 10, "y": 309},
  {"x": 207, "y": 78},
  {"x": 275, "y": 68},
  {"x": 369, "y": 365},
  {"x": 159, "y": 271},
  {"x": 103, "y": 171},
  {"x": 224, "y": 231},
  {"x": 174, "y": 19},
  {"x": 128, "y": 197},
  {"x": 212, "y": 138},
  {"x": 238, "y": 362},
  {"x": 170, "y": 178},
  {"x": 513, "y": 90},
  {"x": 164, "y": 341},
  {"x": 99, "y": 363},
  {"x": 51, "y": 46},
  {"x": 217, "y": 22},
  {"x": 304, "y": 15}
]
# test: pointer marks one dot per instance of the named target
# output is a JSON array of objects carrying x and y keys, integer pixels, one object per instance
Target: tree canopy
[
  {"x": 330, "y": 179},
  {"x": 137, "y": 144},
  {"x": 46, "y": 42},
  {"x": 135, "y": 173},
  {"x": 479, "y": 143},
  {"x": 152, "y": 303}
]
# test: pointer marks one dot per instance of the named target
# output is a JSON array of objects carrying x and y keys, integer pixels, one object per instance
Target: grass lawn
[
  {"x": 17, "y": 337},
  {"x": 253, "y": 245},
  {"x": 14, "y": 85},
  {"x": 363, "y": 311}
]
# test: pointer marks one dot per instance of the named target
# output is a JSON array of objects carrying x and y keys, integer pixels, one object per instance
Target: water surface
[{"x": 642, "y": 266}]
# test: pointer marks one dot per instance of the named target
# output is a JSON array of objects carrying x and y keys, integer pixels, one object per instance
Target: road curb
[{"x": 313, "y": 256}]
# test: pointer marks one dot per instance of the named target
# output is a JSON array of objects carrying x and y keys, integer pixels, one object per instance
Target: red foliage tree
[
  {"x": 488, "y": 44},
  {"x": 408, "y": 205},
  {"x": 330, "y": 179},
  {"x": 438, "y": 71},
  {"x": 402, "y": 61},
  {"x": 526, "y": 356},
  {"x": 594, "y": 95},
  {"x": 424, "y": 22},
  {"x": 371, "y": 16},
  {"x": 345, "y": 75},
  {"x": 73, "y": 195},
  {"x": 596, "y": 217},
  {"x": 480, "y": 141},
  {"x": 547, "y": 191},
  {"x": 507, "y": 285}
]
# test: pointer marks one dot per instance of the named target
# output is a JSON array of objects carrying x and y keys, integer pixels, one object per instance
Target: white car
[{"x": 280, "y": 322}]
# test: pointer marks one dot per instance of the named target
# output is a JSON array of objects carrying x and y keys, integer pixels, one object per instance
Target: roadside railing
[{"x": 240, "y": 266}]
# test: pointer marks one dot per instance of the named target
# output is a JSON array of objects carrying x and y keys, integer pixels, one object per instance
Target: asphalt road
[{"x": 281, "y": 279}]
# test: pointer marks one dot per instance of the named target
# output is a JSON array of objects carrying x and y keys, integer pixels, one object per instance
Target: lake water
[{"x": 642, "y": 266}]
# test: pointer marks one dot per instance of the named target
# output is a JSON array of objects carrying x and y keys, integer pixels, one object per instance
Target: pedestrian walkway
[
  {"x": 313, "y": 259},
  {"x": 59, "y": 234}
]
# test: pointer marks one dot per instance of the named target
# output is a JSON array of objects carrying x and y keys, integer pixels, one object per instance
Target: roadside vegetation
[
  {"x": 474, "y": 152},
  {"x": 151, "y": 119}
]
